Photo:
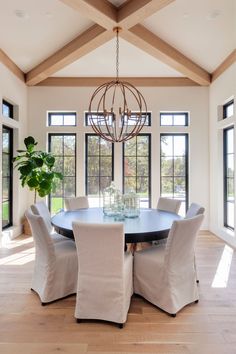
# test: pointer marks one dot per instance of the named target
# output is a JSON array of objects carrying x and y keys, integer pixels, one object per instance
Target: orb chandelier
[{"x": 117, "y": 110}]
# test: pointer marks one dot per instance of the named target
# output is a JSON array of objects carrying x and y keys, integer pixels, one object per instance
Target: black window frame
[
  {"x": 186, "y": 114},
  {"x": 186, "y": 166},
  {"x": 10, "y": 200},
  {"x": 149, "y": 166},
  {"x": 10, "y": 107},
  {"x": 62, "y": 114},
  {"x": 86, "y": 163},
  {"x": 225, "y": 108},
  {"x": 225, "y": 177},
  {"x": 149, "y": 119},
  {"x": 75, "y": 176}
]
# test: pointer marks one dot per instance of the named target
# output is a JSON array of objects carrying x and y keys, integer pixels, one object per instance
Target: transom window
[
  {"x": 63, "y": 147},
  {"x": 174, "y": 168},
  {"x": 228, "y": 109},
  {"x": 174, "y": 119},
  {"x": 7, "y": 109},
  {"x": 61, "y": 119},
  {"x": 137, "y": 167},
  {"x": 229, "y": 178},
  {"x": 99, "y": 167}
]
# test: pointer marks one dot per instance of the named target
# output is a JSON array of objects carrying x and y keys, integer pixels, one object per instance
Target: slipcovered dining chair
[
  {"x": 77, "y": 203},
  {"x": 56, "y": 264},
  {"x": 105, "y": 278},
  {"x": 41, "y": 209},
  {"x": 195, "y": 209},
  {"x": 165, "y": 275},
  {"x": 168, "y": 204}
]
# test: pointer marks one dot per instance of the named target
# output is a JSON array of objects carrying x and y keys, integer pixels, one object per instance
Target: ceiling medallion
[{"x": 117, "y": 110}]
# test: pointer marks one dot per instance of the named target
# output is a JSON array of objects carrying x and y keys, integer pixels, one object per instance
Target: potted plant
[{"x": 36, "y": 169}]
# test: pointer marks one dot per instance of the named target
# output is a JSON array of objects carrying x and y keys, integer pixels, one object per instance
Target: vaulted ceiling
[{"x": 159, "y": 39}]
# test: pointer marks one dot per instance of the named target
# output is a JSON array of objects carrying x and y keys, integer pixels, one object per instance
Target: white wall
[
  {"x": 192, "y": 99},
  {"x": 221, "y": 90},
  {"x": 14, "y": 91}
]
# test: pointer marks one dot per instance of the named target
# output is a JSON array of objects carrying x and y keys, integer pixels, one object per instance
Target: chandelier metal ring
[{"x": 109, "y": 114}]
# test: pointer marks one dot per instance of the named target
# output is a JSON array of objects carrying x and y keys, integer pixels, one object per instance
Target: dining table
[{"x": 150, "y": 225}]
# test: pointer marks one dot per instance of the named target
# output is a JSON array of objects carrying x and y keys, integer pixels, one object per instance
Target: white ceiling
[
  {"x": 132, "y": 62},
  {"x": 46, "y": 26},
  {"x": 203, "y": 30}
]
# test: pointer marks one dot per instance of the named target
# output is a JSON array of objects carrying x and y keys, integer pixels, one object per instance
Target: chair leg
[
  {"x": 78, "y": 320},
  {"x": 195, "y": 267},
  {"x": 43, "y": 303},
  {"x": 196, "y": 301},
  {"x": 120, "y": 325},
  {"x": 173, "y": 314}
]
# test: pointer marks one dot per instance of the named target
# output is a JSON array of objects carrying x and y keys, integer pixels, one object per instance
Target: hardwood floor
[{"x": 208, "y": 327}]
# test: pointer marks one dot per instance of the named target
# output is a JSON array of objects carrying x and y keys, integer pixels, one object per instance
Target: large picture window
[
  {"x": 99, "y": 167},
  {"x": 174, "y": 168},
  {"x": 63, "y": 147},
  {"x": 137, "y": 168},
  {"x": 7, "y": 148},
  {"x": 229, "y": 178}
]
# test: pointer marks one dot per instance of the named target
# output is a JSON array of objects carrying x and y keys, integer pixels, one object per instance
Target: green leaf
[
  {"x": 26, "y": 169},
  {"x": 58, "y": 175},
  {"x": 50, "y": 160},
  {"x": 38, "y": 161},
  {"x": 21, "y": 150},
  {"x": 45, "y": 184},
  {"x": 32, "y": 182},
  {"x": 29, "y": 141}
]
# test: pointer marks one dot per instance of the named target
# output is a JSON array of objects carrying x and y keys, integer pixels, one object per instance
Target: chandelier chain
[{"x": 117, "y": 54}]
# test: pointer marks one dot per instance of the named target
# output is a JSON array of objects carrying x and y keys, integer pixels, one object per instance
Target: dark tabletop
[{"x": 152, "y": 224}]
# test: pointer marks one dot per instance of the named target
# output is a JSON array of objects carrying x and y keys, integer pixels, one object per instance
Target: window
[
  {"x": 228, "y": 109},
  {"x": 174, "y": 168},
  {"x": 63, "y": 147},
  {"x": 7, "y": 148},
  {"x": 137, "y": 167},
  {"x": 229, "y": 178},
  {"x": 174, "y": 119},
  {"x": 99, "y": 167},
  {"x": 61, "y": 119},
  {"x": 7, "y": 109},
  {"x": 97, "y": 119}
]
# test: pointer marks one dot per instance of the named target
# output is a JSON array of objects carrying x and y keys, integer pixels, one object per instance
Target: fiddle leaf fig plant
[{"x": 36, "y": 169}]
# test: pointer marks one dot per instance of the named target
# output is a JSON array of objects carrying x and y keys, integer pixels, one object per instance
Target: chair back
[
  {"x": 179, "y": 254},
  {"x": 168, "y": 204},
  {"x": 100, "y": 248},
  {"x": 77, "y": 203},
  {"x": 41, "y": 209},
  {"x": 43, "y": 243},
  {"x": 194, "y": 210}
]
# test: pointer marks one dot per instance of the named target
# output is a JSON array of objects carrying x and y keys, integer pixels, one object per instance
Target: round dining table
[{"x": 150, "y": 225}]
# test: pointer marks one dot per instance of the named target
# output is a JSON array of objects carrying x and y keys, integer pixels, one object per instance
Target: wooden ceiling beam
[
  {"x": 11, "y": 66},
  {"x": 136, "y": 81},
  {"x": 92, "y": 38},
  {"x": 224, "y": 65},
  {"x": 142, "y": 38},
  {"x": 101, "y": 12},
  {"x": 134, "y": 11}
]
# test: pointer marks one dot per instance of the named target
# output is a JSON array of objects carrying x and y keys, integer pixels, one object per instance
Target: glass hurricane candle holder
[
  {"x": 112, "y": 200},
  {"x": 131, "y": 205}
]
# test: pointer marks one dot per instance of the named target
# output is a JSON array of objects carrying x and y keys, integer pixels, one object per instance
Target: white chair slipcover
[
  {"x": 41, "y": 209},
  {"x": 168, "y": 204},
  {"x": 194, "y": 210},
  {"x": 105, "y": 279},
  {"x": 56, "y": 264},
  {"x": 165, "y": 275},
  {"x": 77, "y": 203}
]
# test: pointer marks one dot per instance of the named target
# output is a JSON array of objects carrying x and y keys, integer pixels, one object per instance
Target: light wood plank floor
[{"x": 208, "y": 327}]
